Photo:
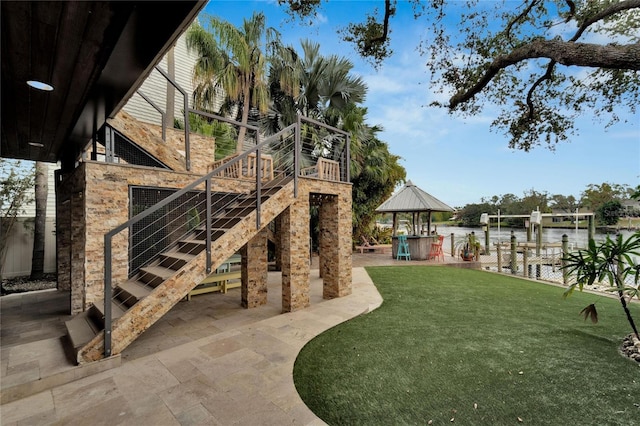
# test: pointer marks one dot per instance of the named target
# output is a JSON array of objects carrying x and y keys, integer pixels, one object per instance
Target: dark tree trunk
[
  {"x": 628, "y": 313},
  {"x": 41, "y": 190}
]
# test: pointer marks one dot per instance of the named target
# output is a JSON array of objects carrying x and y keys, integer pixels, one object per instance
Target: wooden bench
[
  {"x": 222, "y": 280},
  {"x": 217, "y": 282},
  {"x": 381, "y": 248}
]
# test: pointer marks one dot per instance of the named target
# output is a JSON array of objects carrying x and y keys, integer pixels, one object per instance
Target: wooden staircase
[{"x": 139, "y": 302}]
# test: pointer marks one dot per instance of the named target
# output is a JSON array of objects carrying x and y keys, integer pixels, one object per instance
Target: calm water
[{"x": 549, "y": 235}]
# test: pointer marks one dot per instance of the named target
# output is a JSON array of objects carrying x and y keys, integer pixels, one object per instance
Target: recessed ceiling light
[
  {"x": 37, "y": 144},
  {"x": 40, "y": 85}
]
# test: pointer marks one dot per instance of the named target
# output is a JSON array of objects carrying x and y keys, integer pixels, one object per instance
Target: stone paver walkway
[{"x": 207, "y": 362}]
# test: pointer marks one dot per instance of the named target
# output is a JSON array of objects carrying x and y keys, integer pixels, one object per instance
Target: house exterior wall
[{"x": 155, "y": 87}]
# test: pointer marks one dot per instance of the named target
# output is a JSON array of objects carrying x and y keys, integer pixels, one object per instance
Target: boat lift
[{"x": 534, "y": 219}]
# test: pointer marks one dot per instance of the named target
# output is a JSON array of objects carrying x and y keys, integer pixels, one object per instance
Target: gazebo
[{"x": 411, "y": 199}]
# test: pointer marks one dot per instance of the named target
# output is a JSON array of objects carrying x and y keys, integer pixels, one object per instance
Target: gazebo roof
[{"x": 412, "y": 199}]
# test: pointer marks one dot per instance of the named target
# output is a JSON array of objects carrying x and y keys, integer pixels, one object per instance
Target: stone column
[
  {"x": 254, "y": 271},
  {"x": 77, "y": 264},
  {"x": 295, "y": 255},
  {"x": 63, "y": 240},
  {"x": 335, "y": 250}
]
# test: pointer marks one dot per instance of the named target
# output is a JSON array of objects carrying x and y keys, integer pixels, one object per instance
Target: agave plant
[{"x": 613, "y": 261}]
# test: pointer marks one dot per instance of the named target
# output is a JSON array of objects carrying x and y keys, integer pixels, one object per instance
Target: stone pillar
[
  {"x": 335, "y": 245},
  {"x": 295, "y": 255},
  {"x": 63, "y": 240},
  {"x": 77, "y": 264},
  {"x": 254, "y": 271}
]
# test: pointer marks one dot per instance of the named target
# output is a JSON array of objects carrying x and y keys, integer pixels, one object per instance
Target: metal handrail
[
  {"x": 187, "y": 147},
  {"x": 163, "y": 116}
]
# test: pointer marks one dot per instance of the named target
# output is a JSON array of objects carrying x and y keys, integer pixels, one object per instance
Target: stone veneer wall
[
  {"x": 99, "y": 203},
  {"x": 254, "y": 271},
  {"x": 171, "y": 152},
  {"x": 70, "y": 236}
]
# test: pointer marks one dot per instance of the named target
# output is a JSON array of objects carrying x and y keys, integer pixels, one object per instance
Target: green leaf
[{"x": 590, "y": 311}]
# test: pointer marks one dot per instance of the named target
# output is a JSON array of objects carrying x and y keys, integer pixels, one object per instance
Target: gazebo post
[{"x": 395, "y": 223}]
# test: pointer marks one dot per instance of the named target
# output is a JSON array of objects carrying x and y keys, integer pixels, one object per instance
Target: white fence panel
[{"x": 17, "y": 261}]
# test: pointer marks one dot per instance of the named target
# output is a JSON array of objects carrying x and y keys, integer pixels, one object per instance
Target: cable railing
[{"x": 180, "y": 225}]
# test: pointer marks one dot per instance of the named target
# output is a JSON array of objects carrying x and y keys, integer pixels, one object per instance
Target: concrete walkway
[{"x": 207, "y": 362}]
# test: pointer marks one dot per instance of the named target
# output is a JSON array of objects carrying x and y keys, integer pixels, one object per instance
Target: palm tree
[
  {"x": 325, "y": 86},
  {"x": 234, "y": 59}
]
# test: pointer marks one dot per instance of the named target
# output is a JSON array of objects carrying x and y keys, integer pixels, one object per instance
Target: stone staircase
[{"x": 142, "y": 300}]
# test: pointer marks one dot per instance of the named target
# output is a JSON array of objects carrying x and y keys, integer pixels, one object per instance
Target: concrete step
[
  {"x": 81, "y": 329},
  {"x": 130, "y": 292},
  {"x": 97, "y": 311},
  {"x": 155, "y": 275}
]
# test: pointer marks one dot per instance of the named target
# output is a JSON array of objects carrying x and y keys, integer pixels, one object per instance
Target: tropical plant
[
  {"x": 613, "y": 261},
  {"x": 234, "y": 59},
  {"x": 469, "y": 246},
  {"x": 224, "y": 134},
  {"x": 325, "y": 87}
]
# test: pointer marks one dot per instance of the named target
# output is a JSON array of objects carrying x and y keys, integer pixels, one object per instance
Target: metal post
[
  {"x": 208, "y": 224},
  {"x": 525, "y": 262},
  {"x": 108, "y": 144},
  {"x": 348, "y": 160},
  {"x": 187, "y": 131},
  {"x": 296, "y": 156},
  {"x": 486, "y": 240},
  {"x": 538, "y": 252},
  {"x": 565, "y": 251},
  {"x": 499, "y": 250},
  {"x": 453, "y": 244},
  {"x": 162, "y": 114},
  {"x": 258, "y": 185},
  {"x": 107, "y": 296},
  {"x": 514, "y": 254}
]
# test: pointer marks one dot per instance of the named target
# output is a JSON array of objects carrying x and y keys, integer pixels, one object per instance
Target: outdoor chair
[
  {"x": 374, "y": 246},
  {"x": 403, "y": 248},
  {"x": 324, "y": 169},
  {"x": 436, "y": 249}
]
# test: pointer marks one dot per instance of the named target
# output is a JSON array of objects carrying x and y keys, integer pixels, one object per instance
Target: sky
[{"x": 459, "y": 161}]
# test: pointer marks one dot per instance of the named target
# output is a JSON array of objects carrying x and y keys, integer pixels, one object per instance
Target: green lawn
[{"x": 447, "y": 340}]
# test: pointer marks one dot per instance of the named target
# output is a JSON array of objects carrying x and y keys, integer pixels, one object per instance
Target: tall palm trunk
[
  {"x": 41, "y": 191},
  {"x": 246, "y": 106}
]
